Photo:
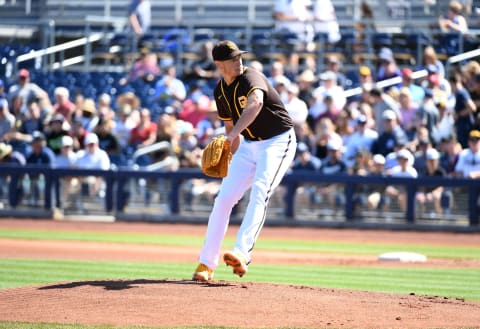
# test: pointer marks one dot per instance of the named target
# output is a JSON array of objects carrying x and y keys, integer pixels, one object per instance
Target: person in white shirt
[
  {"x": 403, "y": 169},
  {"x": 92, "y": 157},
  {"x": 468, "y": 163},
  {"x": 297, "y": 108},
  {"x": 361, "y": 139}
]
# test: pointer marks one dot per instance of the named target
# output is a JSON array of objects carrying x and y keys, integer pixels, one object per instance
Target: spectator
[
  {"x": 417, "y": 93},
  {"x": 2, "y": 89},
  {"x": 78, "y": 134},
  {"x": 325, "y": 20},
  {"x": 382, "y": 102},
  {"x": 292, "y": 16},
  {"x": 329, "y": 88},
  {"x": 62, "y": 104},
  {"x": 145, "y": 68},
  {"x": 145, "y": 133},
  {"x": 92, "y": 157},
  {"x": 334, "y": 64},
  {"x": 403, "y": 169},
  {"x": 88, "y": 116},
  {"x": 67, "y": 156},
  {"x": 324, "y": 134},
  {"x": 407, "y": 112},
  {"x": 388, "y": 67},
  {"x": 306, "y": 81},
  {"x": 465, "y": 109},
  {"x": 305, "y": 135},
  {"x": 209, "y": 127},
  {"x": 202, "y": 70},
  {"x": 434, "y": 194},
  {"x": 391, "y": 136},
  {"x": 195, "y": 107},
  {"x": 430, "y": 59},
  {"x": 10, "y": 157},
  {"x": 468, "y": 163},
  {"x": 107, "y": 141},
  {"x": 40, "y": 155},
  {"x": 123, "y": 125},
  {"x": 169, "y": 90},
  {"x": 453, "y": 21},
  {"x": 428, "y": 115},
  {"x": 27, "y": 91},
  {"x": 450, "y": 149},
  {"x": 333, "y": 165},
  {"x": 475, "y": 95},
  {"x": 55, "y": 132},
  {"x": 376, "y": 198},
  {"x": 297, "y": 109},
  {"x": 304, "y": 160},
  {"x": 7, "y": 121},
  {"x": 105, "y": 110},
  {"x": 21, "y": 134},
  {"x": 361, "y": 139},
  {"x": 140, "y": 16}
]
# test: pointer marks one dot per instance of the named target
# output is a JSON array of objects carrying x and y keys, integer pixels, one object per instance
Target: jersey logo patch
[{"x": 242, "y": 100}]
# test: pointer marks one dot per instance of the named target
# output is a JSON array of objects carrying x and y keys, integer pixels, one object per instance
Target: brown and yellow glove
[{"x": 216, "y": 157}]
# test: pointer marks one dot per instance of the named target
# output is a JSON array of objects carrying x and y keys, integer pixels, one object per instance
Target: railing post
[
  {"x": 174, "y": 195},
  {"x": 109, "y": 181},
  {"x": 410, "y": 214},
  {"x": 290, "y": 199},
  {"x": 121, "y": 193},
  {"x": 48, "y": 175},
  {"x": 349, "y": 189},
  {"x": 472, "y": 205},
  {"x": 13, "y": 191}
]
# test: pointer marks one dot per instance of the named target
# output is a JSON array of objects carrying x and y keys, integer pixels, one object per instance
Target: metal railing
[{"x": 117, "y": 190}]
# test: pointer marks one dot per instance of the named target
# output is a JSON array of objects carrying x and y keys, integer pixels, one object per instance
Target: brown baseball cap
[{"x": 225, "y": 50}]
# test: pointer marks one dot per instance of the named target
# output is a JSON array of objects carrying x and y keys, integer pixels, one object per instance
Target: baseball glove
[{"x": 216, "y": 157}]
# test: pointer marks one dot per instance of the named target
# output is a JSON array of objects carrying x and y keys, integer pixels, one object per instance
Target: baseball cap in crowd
[
  {"x": 328, "y": 75},
  {"x": 302, "y": 147},
  {"x": 407, "y": 73},
  {"x": 306, "y": 76},
  {"x": 389, "y": 115},
  {"x": 5, "y": 149},
  {"x": 23, "y": 73},
  {"x": 378, "y": 159},
  {"x": 37, "y": 136},
  {"x": 225, "y": 50},
  {"x": 67, "y": 141},
  {"x": 432, "y": 154},
  {"x": 362, "y": 118},
  {"x": 386, "y": 54},
  {"x": 91, "y": 138},
  {"x": 364, "y": 71},
  {"x": 334, "y": 145},
  {"x": 474, "y": 134},
  {"x": 404, "y": 154},
  {"x": 57, "y": 118}
]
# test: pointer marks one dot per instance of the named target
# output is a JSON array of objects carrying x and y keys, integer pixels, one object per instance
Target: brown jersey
[{"x": 273, "y": 118}]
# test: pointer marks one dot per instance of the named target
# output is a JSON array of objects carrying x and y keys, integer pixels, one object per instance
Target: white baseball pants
[{"x": 258, "y": 165}]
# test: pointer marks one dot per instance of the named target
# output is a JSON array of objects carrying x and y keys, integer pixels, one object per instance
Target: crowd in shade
[{"x": 426, "y": 126}]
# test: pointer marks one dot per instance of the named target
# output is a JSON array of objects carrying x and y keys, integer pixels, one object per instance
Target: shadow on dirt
[{"x": 128, "y": 284}]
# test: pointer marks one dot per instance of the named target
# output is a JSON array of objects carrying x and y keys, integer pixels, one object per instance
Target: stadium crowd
[{"x": 419, "y": 127}]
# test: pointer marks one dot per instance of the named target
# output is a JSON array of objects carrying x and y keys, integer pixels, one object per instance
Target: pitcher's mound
[{"x": 169, "y": 302}]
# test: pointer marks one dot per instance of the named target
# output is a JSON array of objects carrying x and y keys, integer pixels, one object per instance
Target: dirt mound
[{"x": 170, "y": 302}]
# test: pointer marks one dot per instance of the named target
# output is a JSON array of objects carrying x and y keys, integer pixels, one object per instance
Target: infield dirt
[{"x": 176, "y": 302}]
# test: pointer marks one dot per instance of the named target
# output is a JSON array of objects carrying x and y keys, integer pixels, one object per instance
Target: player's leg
[
  {"x": 233, "y": 187},
  {"x": 274, "y": 158}
]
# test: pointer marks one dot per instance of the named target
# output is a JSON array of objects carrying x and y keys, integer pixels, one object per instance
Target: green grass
[
  {"x": 317, "y": 246},
  {"x": 455, "y": 283}
]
